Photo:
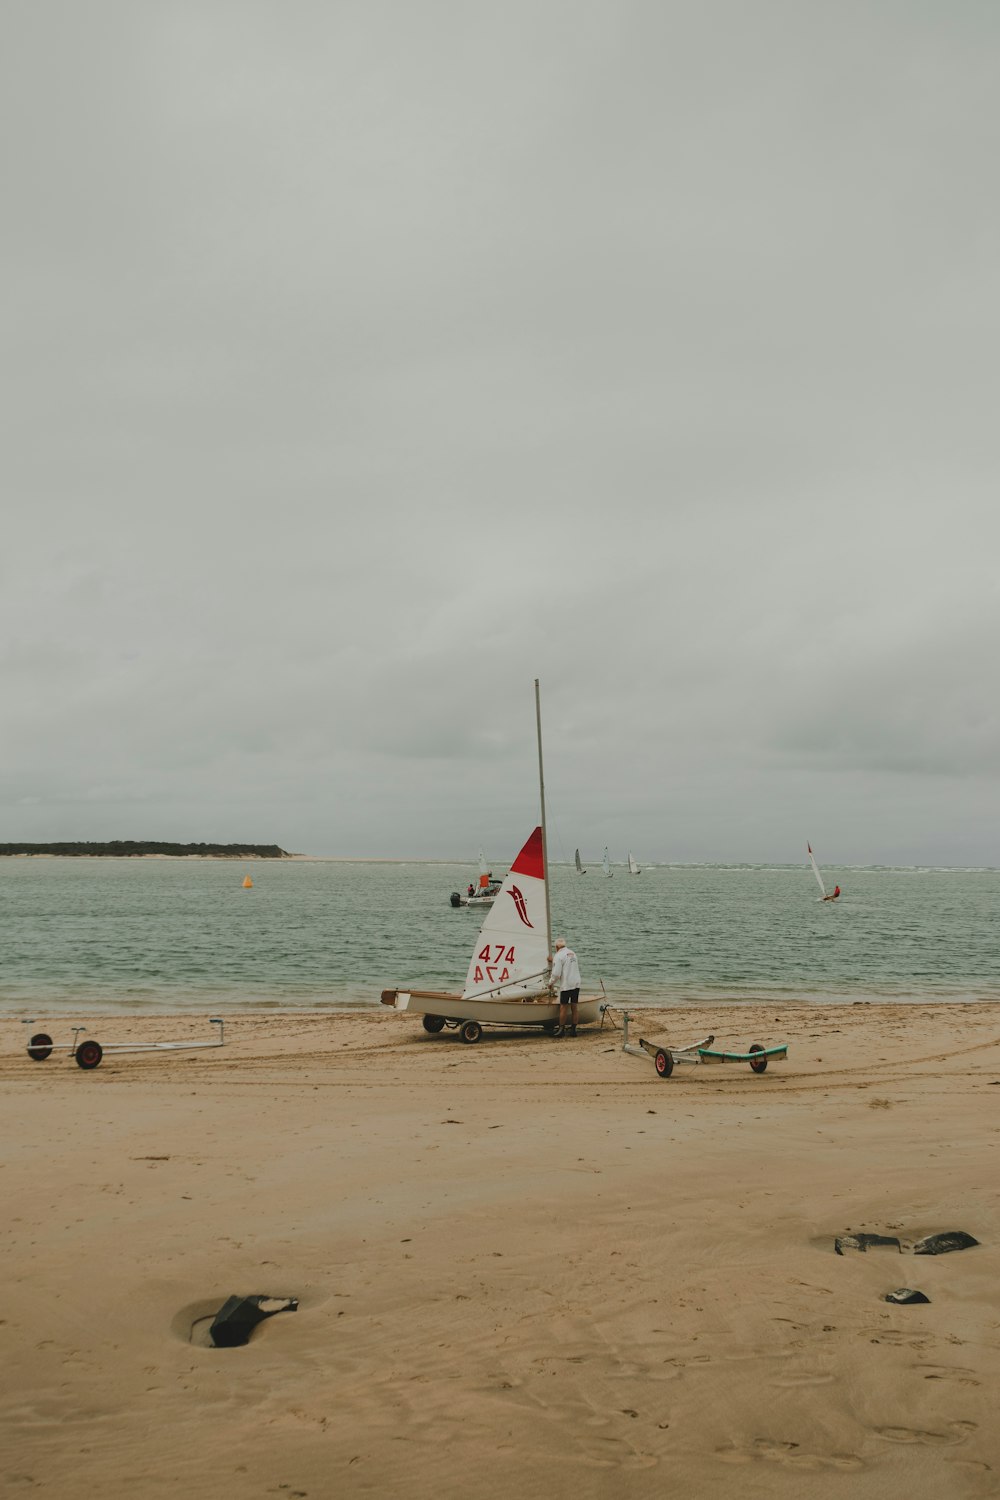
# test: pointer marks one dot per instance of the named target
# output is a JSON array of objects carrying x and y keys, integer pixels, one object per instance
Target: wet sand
[{"x": 526, "y": 1266}]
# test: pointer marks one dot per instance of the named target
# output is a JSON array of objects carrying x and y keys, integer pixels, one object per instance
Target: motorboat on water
[
  {"x": 477, "y": 895},
  {"x": 482, "y": 892},
  {"x": 507, "y": 983}
]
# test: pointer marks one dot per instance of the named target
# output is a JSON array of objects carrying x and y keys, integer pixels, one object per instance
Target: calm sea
[{"x": 79, "y": 935}]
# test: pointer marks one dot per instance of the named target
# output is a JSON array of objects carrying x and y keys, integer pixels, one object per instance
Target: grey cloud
[{"x": 363, "y": 364}]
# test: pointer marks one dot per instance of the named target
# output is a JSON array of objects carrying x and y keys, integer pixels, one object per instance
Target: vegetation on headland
[{"x": 135, "y": 849}]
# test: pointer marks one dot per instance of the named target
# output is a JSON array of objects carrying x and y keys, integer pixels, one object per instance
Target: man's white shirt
[{"x": 565, "y": 970}]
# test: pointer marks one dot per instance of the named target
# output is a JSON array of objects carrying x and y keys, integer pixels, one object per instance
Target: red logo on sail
[{"x": 519, "y": 902}]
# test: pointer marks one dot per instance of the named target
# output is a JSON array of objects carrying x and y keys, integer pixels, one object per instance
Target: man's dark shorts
[{"x": 569, "y": 997}]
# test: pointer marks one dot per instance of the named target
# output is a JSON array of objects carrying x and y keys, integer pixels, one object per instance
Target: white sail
[
  {"x": 579, "y": 867},
  {"x": 511, "y": 953},
  {"x": 633, "y": 868},
  {"x": 815, "y": 869},
  {"x": 606, "y": 863},
  {"x": 483, "y": 866}
]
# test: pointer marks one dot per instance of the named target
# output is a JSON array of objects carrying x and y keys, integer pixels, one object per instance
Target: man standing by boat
[{"x": 565, "y": 980}]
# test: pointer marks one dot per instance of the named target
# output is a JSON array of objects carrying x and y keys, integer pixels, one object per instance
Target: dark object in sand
[
  {"x": 931, "y": 1244},
  {"x": 238, "y": 1317},
  {"x": 862, "y": 1241},
  {"x": 905, "y": 1294},
  {"x": 940, "y": 1244}
]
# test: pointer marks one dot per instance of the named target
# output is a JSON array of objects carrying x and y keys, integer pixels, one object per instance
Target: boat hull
[{"x": 541, "y": 1010}]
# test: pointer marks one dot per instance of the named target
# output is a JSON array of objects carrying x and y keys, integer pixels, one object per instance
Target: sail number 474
[{"x": 494, "y": 956}]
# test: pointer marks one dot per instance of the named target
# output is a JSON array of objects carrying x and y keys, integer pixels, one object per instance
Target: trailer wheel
[
  {"x": 663, "y": 1063},
  {"x": 757, "y": 1064},
  {"x": 40, "y": 1047},
  {"x": 470, "y": 1031},
  {"x": 433, "y": 1024},
  {"x": 89, "y": 1054}
]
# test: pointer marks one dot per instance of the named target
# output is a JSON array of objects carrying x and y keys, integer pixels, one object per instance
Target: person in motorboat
[{"x": 564, "y": 980}]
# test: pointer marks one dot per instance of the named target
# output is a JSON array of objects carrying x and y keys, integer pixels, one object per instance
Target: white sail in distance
[
  {"x": 579, "y": 867},
  {"x": 815, "y": 869},
  {"x": 606, "y": 864},
  {"x": 633, "y": 868}
]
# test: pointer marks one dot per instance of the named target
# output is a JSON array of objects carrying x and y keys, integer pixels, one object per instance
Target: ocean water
[{"x": 80, "y": 935}]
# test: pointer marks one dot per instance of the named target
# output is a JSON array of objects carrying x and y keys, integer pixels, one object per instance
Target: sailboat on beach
[
  {"x": 507, "y": 983},
  {"x": 833, "y": 895}
]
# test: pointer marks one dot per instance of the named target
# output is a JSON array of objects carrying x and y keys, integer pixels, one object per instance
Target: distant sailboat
[
  {"x": 606, "y": 864},
  {"x": 833, "y": 895},
  {"x": 633, "y": 868},
  {"x": 579, "y": 867}
]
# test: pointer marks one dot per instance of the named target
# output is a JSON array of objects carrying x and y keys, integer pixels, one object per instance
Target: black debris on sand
[{"x": 238, "y": 1317}]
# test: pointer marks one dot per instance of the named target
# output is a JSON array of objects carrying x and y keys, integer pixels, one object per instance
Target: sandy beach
[{"x": 524, "y": 1267}]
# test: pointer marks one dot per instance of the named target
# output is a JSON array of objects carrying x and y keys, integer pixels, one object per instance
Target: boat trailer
[
  {"x": 665, "y": 1058},
  {"x": 88, "y": 1054}
]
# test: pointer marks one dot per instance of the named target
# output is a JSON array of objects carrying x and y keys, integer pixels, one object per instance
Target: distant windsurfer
[
  {"x": 825, "y": 895},
  {"x": 565, "y": 981}
]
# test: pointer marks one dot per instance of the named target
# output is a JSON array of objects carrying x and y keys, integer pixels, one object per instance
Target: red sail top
[{"x": 529, "y": 861}]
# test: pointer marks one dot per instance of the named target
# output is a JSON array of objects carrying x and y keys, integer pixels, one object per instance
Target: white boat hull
[{"x": 541, "y": 1010}]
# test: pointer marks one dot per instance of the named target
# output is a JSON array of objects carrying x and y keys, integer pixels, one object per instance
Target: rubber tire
[
  {"x": 433, "y": 1024},
  {"x": 89, "y": 1054},
  {"x": 758, "y": 1065},
  {"x": 40, "y": 1047},
  {"x": 663, "y": 1063},
  {"x": 470, "y": 1031}
]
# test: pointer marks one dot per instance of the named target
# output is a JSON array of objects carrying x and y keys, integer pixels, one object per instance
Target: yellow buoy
[{"x": 247, "y": 883}]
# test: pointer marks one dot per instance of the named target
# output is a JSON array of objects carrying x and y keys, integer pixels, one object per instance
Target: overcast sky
[{"x": 364, "y": 361}]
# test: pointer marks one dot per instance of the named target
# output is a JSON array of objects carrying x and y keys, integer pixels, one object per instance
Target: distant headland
[{"x": 140, "y": 849}]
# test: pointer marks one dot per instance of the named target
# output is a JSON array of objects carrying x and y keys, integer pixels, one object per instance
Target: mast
[{"x": 545, "y": 847}]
